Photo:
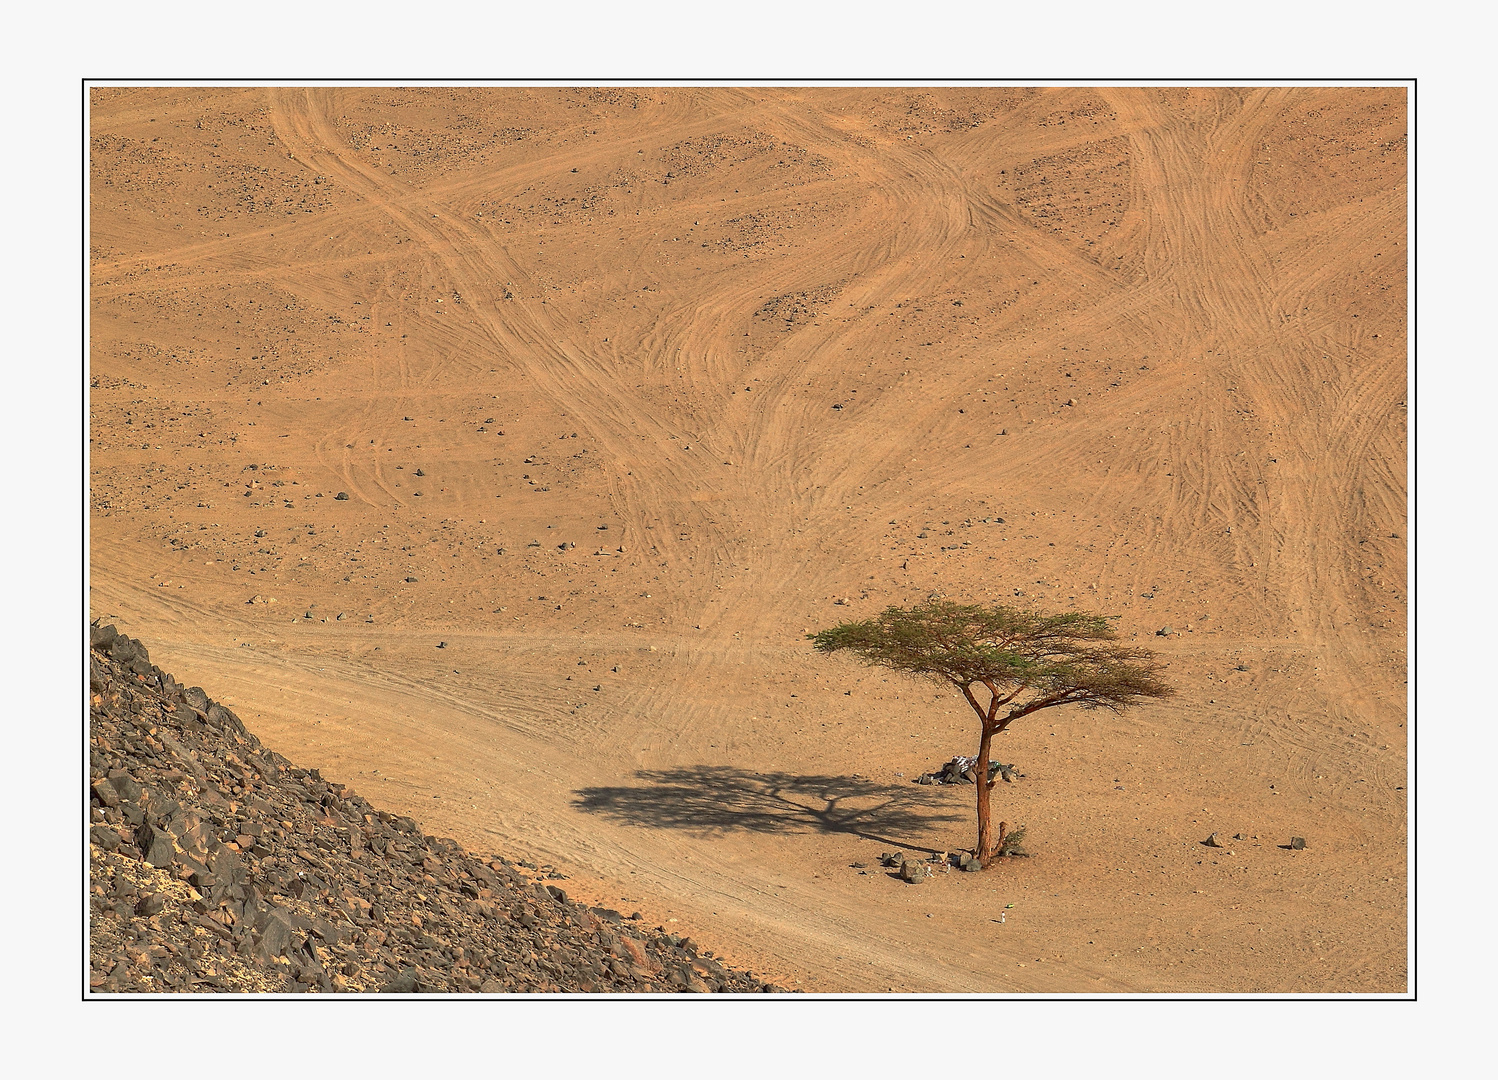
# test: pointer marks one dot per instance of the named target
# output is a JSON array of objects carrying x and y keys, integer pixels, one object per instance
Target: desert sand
[{"x": 494, "y": 449}]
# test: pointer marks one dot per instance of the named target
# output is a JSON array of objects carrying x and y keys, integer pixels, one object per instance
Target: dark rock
[
  {"x": 276, "y": 932},
  {"x": 195, "y": 697},
  {"x": 125, "y": 651},
  {"x": 326, "y": 931},
  {"x": 160, "y": 805},
  {"x": 104, "y": 791},
  {"x": 102, "y": 637},
  {"x": 1297, "y": 843},
  {"x": 152, "y": 904},
  {"x": 342, "y": 496},
  {"x": 225, "y": 865},
  {"x": 183, "y": 863},
  {"x": 913, "y": 872},
  {"x": 104, "y": 837},
  {"x": 403, "y": 982},
  {"x": 1165, "y": 631},
  {"x": 124, "y": 784},
  {"x": 155, "y": 845}
]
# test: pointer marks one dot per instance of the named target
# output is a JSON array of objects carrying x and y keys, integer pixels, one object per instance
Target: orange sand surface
[{"x": 629, "y": 389}]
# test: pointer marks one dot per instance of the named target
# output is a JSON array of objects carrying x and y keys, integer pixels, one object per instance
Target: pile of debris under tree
[
  {"x": 964, "y": 770},
  {"x": 218, "y": 867}
]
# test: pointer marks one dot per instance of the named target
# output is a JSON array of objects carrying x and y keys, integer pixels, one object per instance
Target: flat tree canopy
[{"x": 1023, "y": 662}]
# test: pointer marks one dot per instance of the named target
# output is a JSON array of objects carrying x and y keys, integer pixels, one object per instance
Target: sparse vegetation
[{"x": 1026, "y": 661}]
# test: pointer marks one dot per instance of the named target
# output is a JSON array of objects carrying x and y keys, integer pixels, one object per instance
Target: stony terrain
[{"x": 216, "y": 866}]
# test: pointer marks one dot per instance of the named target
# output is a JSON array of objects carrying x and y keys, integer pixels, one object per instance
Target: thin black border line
[{"x": 1411, "y": 513}]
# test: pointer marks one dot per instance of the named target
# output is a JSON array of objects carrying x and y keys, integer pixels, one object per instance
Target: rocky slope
[{"x": 217, "y": 866}]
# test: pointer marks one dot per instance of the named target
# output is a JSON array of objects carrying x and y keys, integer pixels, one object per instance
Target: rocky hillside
[{"x": 216, "y": 866}]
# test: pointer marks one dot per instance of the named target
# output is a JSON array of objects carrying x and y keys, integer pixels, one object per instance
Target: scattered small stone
[
  {"x": 1165, "y": 631},
  {"x": 913, "y": 872},
  {"x": 1297, "y": 843},
  {"x": 1212, "y": 841}
]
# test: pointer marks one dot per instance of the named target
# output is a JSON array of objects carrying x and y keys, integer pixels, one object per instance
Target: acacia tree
[{"x": 1025, "y": 662}]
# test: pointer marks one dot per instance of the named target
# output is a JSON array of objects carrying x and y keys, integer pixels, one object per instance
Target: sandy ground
[{"x": 630, "y": 389}]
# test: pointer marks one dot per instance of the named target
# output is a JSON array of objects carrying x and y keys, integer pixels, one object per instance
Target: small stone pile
[
  {"x": 218, "y": 867},
  {"x": 963, "y": 770},
  {"x": 915, "y": 871}
]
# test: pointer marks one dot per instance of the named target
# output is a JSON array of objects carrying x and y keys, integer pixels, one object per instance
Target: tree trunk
[{"x": 985, "y": 789}]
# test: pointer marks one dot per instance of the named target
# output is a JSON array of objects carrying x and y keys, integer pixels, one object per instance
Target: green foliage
[
  {"x": 1011, "y": 844},
  {"x": 1026, "y": 659}
]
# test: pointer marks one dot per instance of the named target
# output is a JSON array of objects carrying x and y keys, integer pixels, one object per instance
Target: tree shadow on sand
[{"x": 711, "y": 798}]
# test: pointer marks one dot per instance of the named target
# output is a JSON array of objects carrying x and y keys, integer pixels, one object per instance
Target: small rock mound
[{"x": 963, "y": 770}]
